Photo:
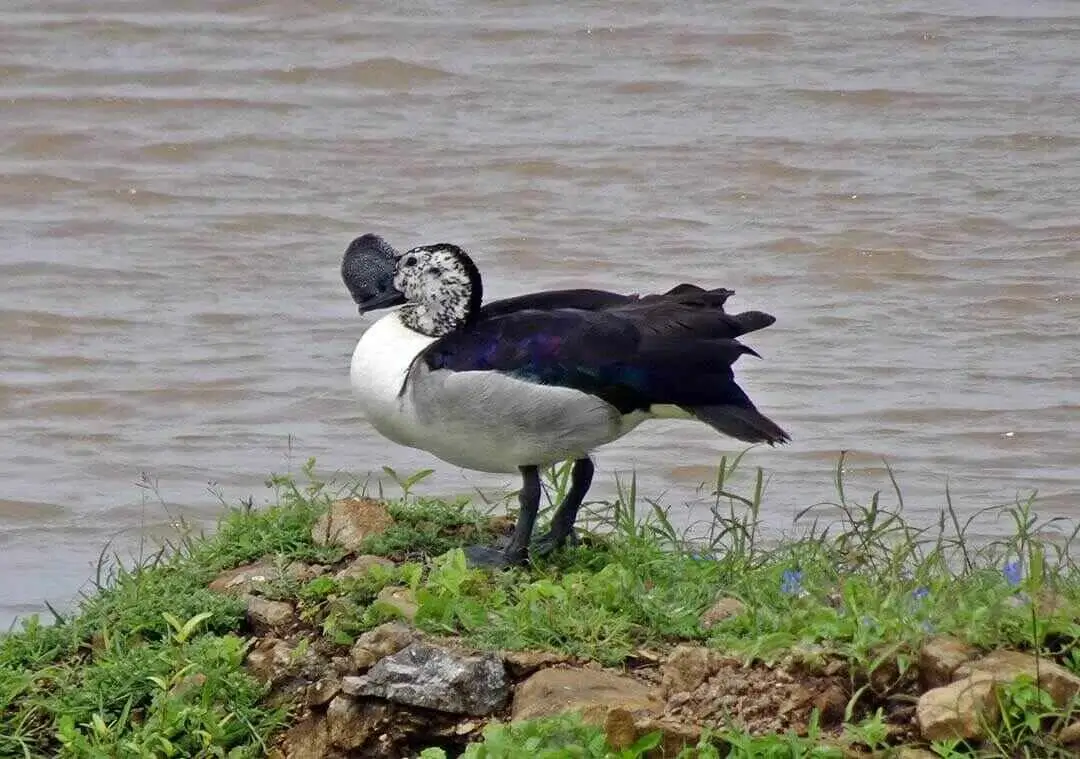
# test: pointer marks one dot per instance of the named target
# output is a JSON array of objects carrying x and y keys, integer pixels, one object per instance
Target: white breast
[{"x": 380, "y": 364}]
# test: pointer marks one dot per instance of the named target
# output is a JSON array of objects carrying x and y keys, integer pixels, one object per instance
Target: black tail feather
[
  {"x": 751, "y": 321},
  {"x": 746, "y": 424},
  {"x": 692, "y": 295}
]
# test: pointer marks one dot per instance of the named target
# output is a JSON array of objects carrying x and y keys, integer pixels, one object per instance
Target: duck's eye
[{"x": 410, "y": 261}]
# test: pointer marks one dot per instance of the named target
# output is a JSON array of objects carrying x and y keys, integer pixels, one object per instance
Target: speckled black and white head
[{"x": 442, "y": 288}]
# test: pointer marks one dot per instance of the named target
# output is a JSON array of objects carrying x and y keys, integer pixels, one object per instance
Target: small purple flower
[
  {"x": 791, "y": 583},
  {"x": 920, "y": 593},
  {"x": 1014, "y": 572}
]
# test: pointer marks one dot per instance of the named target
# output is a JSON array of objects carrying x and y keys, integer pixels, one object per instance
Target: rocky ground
[{"x": 397, "y": 689}]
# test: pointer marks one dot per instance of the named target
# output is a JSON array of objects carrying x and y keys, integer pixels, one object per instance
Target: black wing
[
  {"x": 597, "y": 352},
  {"x": 588, "y": 300}
]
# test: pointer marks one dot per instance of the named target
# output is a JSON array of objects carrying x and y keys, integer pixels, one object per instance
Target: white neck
[
  {"x": 380, "y": 365},
  {"x": 436, "y": 317}
]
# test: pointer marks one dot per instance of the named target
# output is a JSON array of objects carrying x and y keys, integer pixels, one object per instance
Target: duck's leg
[
  {"x": 562, "y": 523},
  {"x": 517, "y": 552}
]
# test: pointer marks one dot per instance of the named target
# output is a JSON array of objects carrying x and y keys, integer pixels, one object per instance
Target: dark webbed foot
[
  {"x": 517, "y": 550},
  {"x": 550, "y": 542},
  {"x": 487, "y": 557}
]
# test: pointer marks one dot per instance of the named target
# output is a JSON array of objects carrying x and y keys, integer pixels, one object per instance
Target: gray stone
[{"x": 436, "y": 678}]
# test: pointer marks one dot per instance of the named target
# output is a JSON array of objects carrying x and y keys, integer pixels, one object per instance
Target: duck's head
[
  {"x": 368, "y": 272},
  {"x": 441, "y": 286}
]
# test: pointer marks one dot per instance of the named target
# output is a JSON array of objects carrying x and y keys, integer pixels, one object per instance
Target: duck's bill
[
  {"x": 368, "y": 272},
  {"x": 376, "y": 301}
]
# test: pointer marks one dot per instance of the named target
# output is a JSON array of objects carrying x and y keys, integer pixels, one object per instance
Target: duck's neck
[{"x": 443, "y": 310}]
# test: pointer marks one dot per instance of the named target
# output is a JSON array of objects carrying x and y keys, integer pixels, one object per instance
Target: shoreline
[{"x": 333, "y": 625}]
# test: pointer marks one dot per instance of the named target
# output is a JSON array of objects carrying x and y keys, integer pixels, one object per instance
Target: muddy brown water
[{"x": 896, "y": 182}]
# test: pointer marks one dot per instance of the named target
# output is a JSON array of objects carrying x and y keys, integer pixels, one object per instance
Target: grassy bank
[{"x": 153, "y": 662}]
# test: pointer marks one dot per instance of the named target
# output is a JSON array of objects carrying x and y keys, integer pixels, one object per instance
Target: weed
[
  {"x": 567, "y": 737},
  {"x": 428, "y": 527}
]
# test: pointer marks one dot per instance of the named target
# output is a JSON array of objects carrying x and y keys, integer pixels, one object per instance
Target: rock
[
  {"x": 264, "y": 614},
  {"x": 302, "y": 572},
  {"x": 307, "y": 739},
  {"x": 810, "y": 657},
  {"x": 1070, "y": 736},
  {"x": 724, "y": 608},
  {"x": 834, "y": 667},
  {"x": 964, "y": 709},
  {"x": 939, "y": 659},
  {"x": 686, "y": 668},
  {"x": 644, "y": 657},
  {"x": 245, "y": 579},
  {"x": 910, "y": 752},
  {"x": 887, "y": 673},
  {"x": 342, "y": 665},
  {"x": 831, "y": 704},
  {"x": 1007, "y": 666},
  {"x": 591, "y": 692},
  {"x": 401, "y": 599},
  {"x": 268, "y": 658},
  {"x": 362, "y": 565},
  {"x": 523, "y": 663},
  {"x": 675, "y": 736},
  {"x": 436, "y": 678},
  {"x": 320, "y": 692},
  {"x": 289, "y": 667},
  {"x": 351, "y": 724},
  {"x": 464, "y": 728},
  {"x": 623, "y": 729},
  {"x": 383, "y": 641},
  {"x": 620, "y": 730},
  {"x": 349, "y": 521}
]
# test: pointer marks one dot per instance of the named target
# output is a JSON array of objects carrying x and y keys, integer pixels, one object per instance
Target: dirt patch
[{"x": 760, "y": 700}]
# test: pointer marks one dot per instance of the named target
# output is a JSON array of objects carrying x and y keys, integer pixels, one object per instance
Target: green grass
[
  {"x": 150, "y": 663},
  {"x": 567, "y": 737}
]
